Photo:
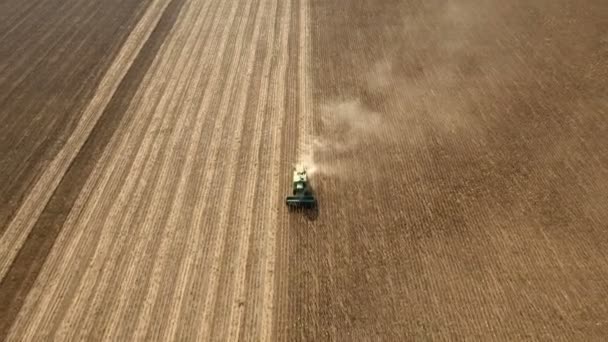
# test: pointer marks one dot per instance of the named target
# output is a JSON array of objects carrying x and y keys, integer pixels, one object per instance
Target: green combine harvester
[{"x": 302, "y": 194}]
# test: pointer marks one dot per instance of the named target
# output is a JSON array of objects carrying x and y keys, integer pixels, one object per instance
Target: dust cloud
[
  {"x": 429, "y": 79},
  {"x": 346, "y": 126},
  {"x": 443, "y": 74}
]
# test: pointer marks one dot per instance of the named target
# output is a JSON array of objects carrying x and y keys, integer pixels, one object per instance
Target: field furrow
[
  {"x": 457, "y": 152},
  {"x": 138, "y": 230}
]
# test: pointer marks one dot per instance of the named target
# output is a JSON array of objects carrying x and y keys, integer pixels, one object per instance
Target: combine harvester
[{"x": 302, "y": 194}]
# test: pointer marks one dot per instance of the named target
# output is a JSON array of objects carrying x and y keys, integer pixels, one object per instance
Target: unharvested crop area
[{"x": 458, "y": 149}]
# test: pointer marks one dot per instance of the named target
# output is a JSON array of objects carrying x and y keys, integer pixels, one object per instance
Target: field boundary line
[{"x": 29, "y": 212}]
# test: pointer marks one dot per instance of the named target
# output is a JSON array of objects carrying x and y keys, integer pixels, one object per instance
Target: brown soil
[
  {"x": 462, "y": 158},
  {"x": 158, "y": 229},
  {"x": 52, "y": 56},
  {"x": 28, "y": 262},
  {"x": 477, "y": 211}
]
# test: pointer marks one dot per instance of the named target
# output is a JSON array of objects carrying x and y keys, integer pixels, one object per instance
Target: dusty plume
[{"x": 346, "y": 125}]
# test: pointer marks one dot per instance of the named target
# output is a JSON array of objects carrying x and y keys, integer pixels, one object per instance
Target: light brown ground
[
  {"x": 172, "y": 234},
  {"x": 462, "y": 181}
]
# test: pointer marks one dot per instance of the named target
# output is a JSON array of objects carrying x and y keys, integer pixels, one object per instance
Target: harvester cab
[{"x": 302, "y": 196}]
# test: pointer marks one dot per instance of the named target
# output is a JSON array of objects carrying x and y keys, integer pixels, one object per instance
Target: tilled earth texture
[{"x": 458, "y": 150}]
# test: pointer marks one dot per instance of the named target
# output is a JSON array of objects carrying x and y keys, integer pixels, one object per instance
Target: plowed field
[{"x": 458, "y": 149}]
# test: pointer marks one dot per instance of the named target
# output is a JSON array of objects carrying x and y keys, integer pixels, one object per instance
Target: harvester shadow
[{"x": 310, "y": 213}]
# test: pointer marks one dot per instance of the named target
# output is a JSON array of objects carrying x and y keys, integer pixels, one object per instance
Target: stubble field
[{"x": 459, "y": 152}]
